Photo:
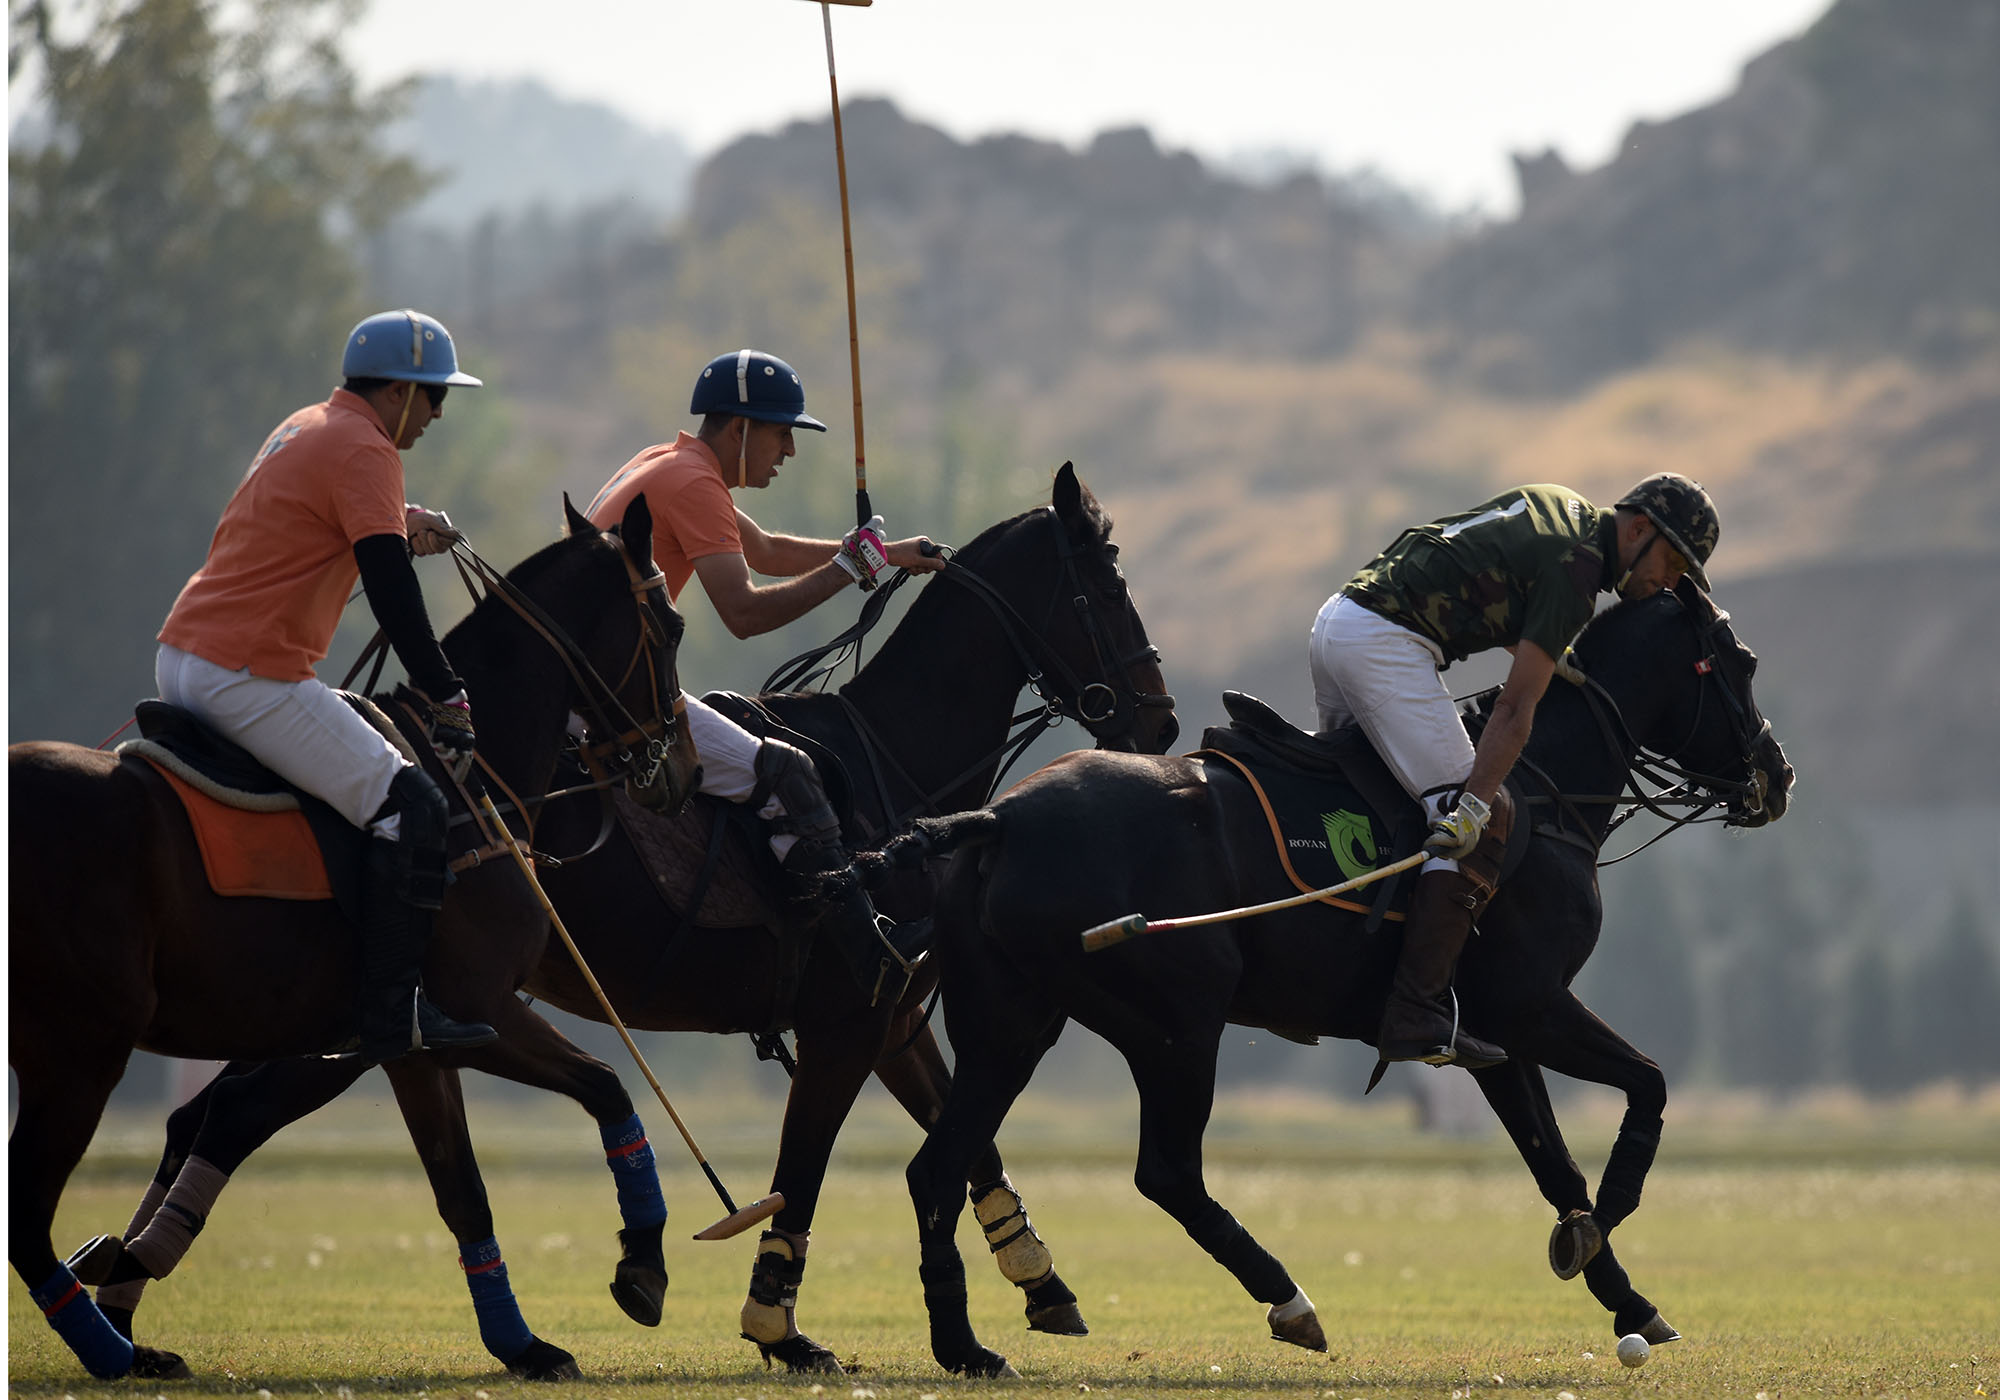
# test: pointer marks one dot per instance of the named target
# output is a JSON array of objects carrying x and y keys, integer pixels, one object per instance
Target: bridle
[
  {"x": 1677, "y": 784},
  {"x": 1064, "y": 694}
]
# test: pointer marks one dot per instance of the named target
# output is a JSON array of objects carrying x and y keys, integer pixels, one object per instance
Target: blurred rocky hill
[{"x": 1791, "y": 294}]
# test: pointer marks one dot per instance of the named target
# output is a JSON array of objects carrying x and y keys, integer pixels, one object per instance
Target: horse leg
[
  {"x": 1571, "y": 1040},
  {"x": 994, "y": 1066},
  {"x": 1176, "y": 1082},
  {"x": 531, "y": 1051},
  {"x": 62, "y": 1092},
  {"x": 432, "y": 1101},
  {"x": 918, "y": 1077},
  {"x": 837, "y": 1046}
]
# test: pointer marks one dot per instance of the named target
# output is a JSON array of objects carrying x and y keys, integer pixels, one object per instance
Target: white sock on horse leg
[
  {"x": 179, "y": 1217},
  {"x": 1299, "y": 1306}
]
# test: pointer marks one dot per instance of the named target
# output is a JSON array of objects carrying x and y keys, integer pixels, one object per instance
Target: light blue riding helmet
[
  {"x": 403, "y": 345},
  {"x": 752, "y": 384}
]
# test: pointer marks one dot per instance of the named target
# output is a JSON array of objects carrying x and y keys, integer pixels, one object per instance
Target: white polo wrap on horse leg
[
  {"x": 170, "y": 1233},
  {"x": 126, "y": 1295},
  {"x": 1010, "y": 1235},
  {"x": 768, "y": 1313}
]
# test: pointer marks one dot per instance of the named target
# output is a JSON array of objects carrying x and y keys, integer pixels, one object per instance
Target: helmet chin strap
[
  {"x": 1638, "y": 559},
  {"x": 409, "y": 398},
  {"x": 743, "y": 454}
]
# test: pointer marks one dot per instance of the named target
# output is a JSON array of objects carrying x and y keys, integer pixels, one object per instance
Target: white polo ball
[{"x": 1633, "y": 1349}]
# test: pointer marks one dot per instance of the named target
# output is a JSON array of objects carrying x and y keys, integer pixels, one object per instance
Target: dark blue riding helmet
[
  {"x": 403, "y": 345},
  {"x": 752, "y": 384}
]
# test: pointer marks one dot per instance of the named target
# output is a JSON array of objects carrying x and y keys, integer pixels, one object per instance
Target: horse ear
[
  {"x": 636, "y": 529},
  {"x": 576, "y": 522},
  {"x": 1068, "y": 497}
]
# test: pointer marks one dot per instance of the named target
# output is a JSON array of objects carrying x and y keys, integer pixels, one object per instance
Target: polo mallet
[
  {"x": 1132, "y": 925},
  {"x": 737, "y": 1221},
  {"x": 862, "y": 510}
]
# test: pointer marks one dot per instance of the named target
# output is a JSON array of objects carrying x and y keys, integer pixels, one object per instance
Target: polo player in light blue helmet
[{"x": 321, "y": 505}]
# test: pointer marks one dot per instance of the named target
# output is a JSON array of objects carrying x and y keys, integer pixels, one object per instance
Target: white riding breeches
[
  {"x": 1380, "y": 675},
  {"x": 301, "y": 730},
  {"x": 729, "y": 763}
]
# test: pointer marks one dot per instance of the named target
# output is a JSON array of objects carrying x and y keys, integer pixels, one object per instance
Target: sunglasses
[{"x": 435, "y": 393}]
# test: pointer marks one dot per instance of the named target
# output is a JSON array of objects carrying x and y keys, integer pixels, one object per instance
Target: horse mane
[{"x": 529, "y": 575}]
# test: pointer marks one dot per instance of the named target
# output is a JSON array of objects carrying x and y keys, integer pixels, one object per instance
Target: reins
[
  {"x": 1704, "y": 791},
  {"x": 1090, "y": 704},
  {"x": 609, "y": 760}
]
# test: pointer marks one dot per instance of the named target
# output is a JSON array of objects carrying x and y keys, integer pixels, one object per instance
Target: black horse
[
  {"x": 1094, "y": 836},
  {"x": 922, "y": 728},
  {"x": 119, "y": 943}
]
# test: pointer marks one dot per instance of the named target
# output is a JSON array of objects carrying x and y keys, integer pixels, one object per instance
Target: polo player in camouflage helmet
[{"x": 1521, "y": 571}]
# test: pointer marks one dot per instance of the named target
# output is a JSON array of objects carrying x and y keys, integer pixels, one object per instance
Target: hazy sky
[{"x": 1433, "y": 93}]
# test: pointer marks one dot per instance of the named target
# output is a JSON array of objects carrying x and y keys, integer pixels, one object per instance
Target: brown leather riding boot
[{"x": 1420, "y": 1021}]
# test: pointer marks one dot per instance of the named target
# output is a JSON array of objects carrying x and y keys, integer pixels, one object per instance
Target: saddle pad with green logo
[{"x": 1324, "y": 833}]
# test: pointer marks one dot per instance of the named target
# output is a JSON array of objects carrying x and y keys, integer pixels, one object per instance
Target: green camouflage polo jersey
[{"x": 1526, "y": 565}]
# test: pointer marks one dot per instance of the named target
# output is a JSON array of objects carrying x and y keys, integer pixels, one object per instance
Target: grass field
[{"x": 1843, "y": 1256}]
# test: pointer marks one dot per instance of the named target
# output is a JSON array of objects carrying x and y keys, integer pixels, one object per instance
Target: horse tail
[{"x": 927, "y": 839}]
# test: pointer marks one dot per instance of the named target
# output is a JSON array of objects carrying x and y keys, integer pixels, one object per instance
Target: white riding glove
[
  {"x": 1456, "y": 834},
  {"x": 861, "y": 553}
]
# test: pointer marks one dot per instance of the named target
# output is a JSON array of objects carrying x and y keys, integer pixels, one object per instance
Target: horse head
[
  {"x": 1727, "y": 668},
  {"x": 1094, "y": 629},
  {"x": 630, "y": 692},
  {"x": 1681, "y": 682}
]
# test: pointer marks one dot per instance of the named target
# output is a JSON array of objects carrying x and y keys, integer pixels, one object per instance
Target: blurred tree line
[
  {"x": 180, "y": 233},
  {"x": 201, "y": 210}
]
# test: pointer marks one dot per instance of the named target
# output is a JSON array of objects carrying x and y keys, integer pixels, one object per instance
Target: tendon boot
[
  {"x": 404, "y": 886},
  {"x": 1421, "y": 1020}
]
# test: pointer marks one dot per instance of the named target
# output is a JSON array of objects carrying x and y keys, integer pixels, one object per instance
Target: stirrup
[{"x": 886, "y": 968}]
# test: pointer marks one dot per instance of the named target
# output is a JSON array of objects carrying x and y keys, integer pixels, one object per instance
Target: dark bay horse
[
  {"x": 117, "y": 942},
  {"x": 920, "y": 729},
  {"x": 1094, "y": 836}
]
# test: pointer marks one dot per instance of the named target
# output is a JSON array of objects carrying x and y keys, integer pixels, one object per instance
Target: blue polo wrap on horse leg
[
  {"x": 80, "y": 1324},
  {"x": 501, "y": 1326},
  {"x": 1625, "y": 1170},
  {"x": 635, "y": 1172},
  {"x": 1233, "y": 1247}
]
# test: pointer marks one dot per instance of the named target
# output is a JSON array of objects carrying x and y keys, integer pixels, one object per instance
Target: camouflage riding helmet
[{"x": 1684, "y": 515}]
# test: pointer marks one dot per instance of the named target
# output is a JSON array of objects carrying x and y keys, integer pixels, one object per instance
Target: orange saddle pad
[{"x": 268, "y": 854}]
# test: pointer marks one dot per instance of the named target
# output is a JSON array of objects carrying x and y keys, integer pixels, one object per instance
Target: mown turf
[{"x": 318, "y": 1274}]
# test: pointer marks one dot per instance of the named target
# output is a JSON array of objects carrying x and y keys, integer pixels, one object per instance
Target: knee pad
[
  {"x": 786, "y": 772},
  {"x": 420, "y": 845}
]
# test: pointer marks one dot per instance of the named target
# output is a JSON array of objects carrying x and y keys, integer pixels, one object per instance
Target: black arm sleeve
[{"x": 398, "y": 605}]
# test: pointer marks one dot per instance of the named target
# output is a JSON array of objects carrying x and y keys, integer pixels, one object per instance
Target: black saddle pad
[
  {"x": 342, "y": 845},
  {"x": 1341, "y": 811}
]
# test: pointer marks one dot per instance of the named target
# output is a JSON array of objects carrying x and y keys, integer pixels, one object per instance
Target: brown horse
[
  {"x": 117, "y": 942},
  {"x": 1036, "y": 600}
]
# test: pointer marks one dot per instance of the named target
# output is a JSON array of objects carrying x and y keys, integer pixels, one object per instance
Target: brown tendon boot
[{"x": 1420, "y": 1021}]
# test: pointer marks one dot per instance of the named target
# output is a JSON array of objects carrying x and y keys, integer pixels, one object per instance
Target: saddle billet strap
[{"x": 1278, "y": 835}]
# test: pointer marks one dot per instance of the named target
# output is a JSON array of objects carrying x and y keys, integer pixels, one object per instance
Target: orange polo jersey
[
  {"x": 281, "y": 565},
  {"x": 694, "y": 515}
]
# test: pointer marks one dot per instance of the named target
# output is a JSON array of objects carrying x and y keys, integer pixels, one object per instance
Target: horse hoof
[
  {"x": 801, "y": 1355},
  {"x": 1658, "y": 1331},
  {"x": 640, "y": 1292},
  {"x": 1301, "y": 1331},
  {"x": 1060, "y": 1319},
  {"x": 543, "y": 1362},
  {"x": 985, "y": 1365},
  {"x": 94, "y": 1258},
  {"x": 1574, "y": 1243},
  {"x": 152, "y": 1364}
]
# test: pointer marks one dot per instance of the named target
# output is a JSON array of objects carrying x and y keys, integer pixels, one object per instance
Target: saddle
[
  {"x": 259, "y": 836},
  {"x": 712, "y": 863},
  {"x": 1336, "y": 811}
]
